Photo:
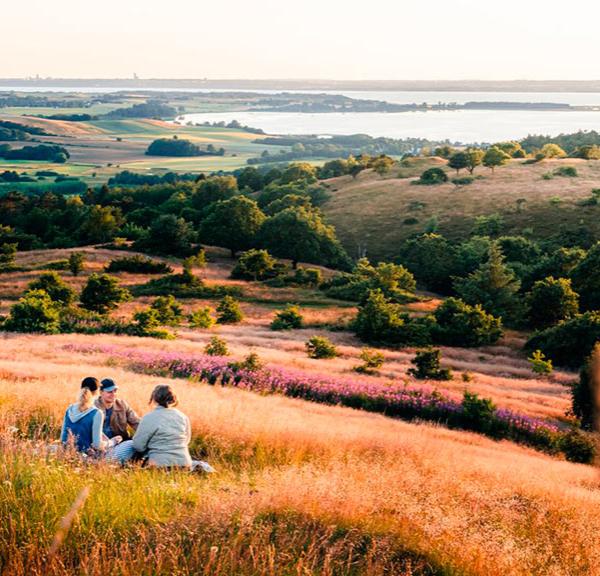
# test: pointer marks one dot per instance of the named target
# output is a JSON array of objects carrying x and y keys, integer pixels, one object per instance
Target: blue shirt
[{"x": 106, "y": 428}]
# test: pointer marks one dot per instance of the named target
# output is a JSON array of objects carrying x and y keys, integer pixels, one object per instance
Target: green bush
[
  {"x": 34, "y": 312},
  {"x": 427, "y": 366},
  {"x": 147, "y": 323},
  {"x": 251, "y": 363},
  {"x": 287, "y": 319},
  {"x": 584, "y": 392},
  {"x": 255, "y": 265},
  {"x": 138, "y": 265},
  {"x": 567, "y": 171},
  {"x": 229, "y": 311},
  {"x": 578, "y": 446},
  {"x": 216, "y": 347},
  {"x": 458, "y": 324},
  {"x": 433, "y": 176},
  {"x": 102, "y": 294},
  {"x": 320, "y": 347},
  {"x": 168, "y": 312},
  {"x": 76, "y": 263},
  {"x": 540, "y": 364},
  {"x": 477, "y": 413},
  {"x": 307, "y": 277},
  {"x": 8, "y": 252},
  {"x": 55, "y": 287},
  {"x": 551, "y": 301},
  {"x": 372, "y": 361},
  {"x": 184, "y": 285},
  {"x": 201, "y": 318},
  {"x": 55, "y": 265},
  {"x": 463, "y": 181}
]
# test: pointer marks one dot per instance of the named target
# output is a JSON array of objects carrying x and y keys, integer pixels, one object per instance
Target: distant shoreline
[{"x": 358, "y": 85}]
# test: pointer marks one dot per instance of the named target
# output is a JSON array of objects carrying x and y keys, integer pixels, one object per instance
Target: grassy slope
[{"x": 370, "y": 211}]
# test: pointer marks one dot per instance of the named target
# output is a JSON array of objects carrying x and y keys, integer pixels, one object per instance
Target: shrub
[
  {"x": 184, "y": 285},
  {"x": 102, "y": 294},
  {"x": 567, "y": 171},
  {"x": 464, "y": 181},
  {"x": 287, "y": 319},
  {"x": 551, "y": 301},
  {"x": 7, "y": 257},
  {"x": 255, "y": 265},
  {"x": 216, "y": 347},
  {"x": 551, "y": 150},
  {"x": 53, "y": 285},
  {"x": 433, "y": 176},
  {"x": 76, "y": 260},
  {"x": 307, "y": 276},
  {"x": 540, "y": 364},
  {"x": 201, "y": 318},
  {"x": 229, "y": 311},
  {"x": 372, "y": 361},
  {"x": 55, "y": 265},
  {"x": 34, "y": 312},
  {"x": 578, "y": 446},
  {"x": 477, "y": 413},
  {"x": 427, "y": 366},
  {"x": 251, "y": 363},
  {"x": 320, "y": 347},
  {"x": 138, "y": 265},
  {"x": 168, "y": 312},
  {"x": 570, "y": 342},
  {"x": 584, "y": 392},
  {"x": 147, "y": 323},
  {"x": 458, "y": 324}
]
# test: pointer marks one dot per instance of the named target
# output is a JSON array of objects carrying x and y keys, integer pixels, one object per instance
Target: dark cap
[
  {"x": 108, "y": 385},
  {"x": 90, "y": 383}
]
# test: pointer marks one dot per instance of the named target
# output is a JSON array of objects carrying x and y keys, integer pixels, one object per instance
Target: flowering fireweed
[{"x": 391, "y": 399}]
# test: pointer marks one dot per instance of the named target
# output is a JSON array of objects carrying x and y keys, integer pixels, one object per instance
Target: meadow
[{"x": 301, "y": 488}]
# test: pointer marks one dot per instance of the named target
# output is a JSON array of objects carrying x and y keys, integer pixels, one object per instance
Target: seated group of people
[{"x": 99, "y": 424}]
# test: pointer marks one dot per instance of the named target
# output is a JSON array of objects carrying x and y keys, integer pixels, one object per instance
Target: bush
[
  {"x": 34, "y": 312},
  {"x": 320, "y": 347},
  {"x": 458, "y": 324},
  {"x": 307, "y": 277},
  {"x": 540, "y": 364},
  {"x": 55, "y": 265},
  {"x": 477, "y": 413},
  {"x": 147, "y": 323},
  {"x": 255, "y": 265},
  {"x": 201, "y": 318},
  {"x": 8, "y": 253},
  {"x": 184, "y": 285},
  {"x": 568, "y": 171},
  {"x": 102, "y": 294},
  {"x": 251, "y": 363},
  {"x": 433, "y": 176},
  {"x": 168, "y": 312},
  {"x": 372, "y": 361},
  {"x": 287, "y": 319},
  {"x": 216, "y": 347},
  {"x": 578, "y": 446},
  {"x": 53, "y": 285},
  {"x": 551, "y": 301},
  {"x": 584, "y": 392},
  {"x": 427, "y": 366},
  {"x": 138, "y": 265},
  {"x": 76, "y": 260},
  {"x": 464, "y": 181},
  {"x": 229, "y": 311}
]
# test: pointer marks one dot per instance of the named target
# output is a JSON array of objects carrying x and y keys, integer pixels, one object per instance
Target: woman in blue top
[{"x": 83, "y": 421}]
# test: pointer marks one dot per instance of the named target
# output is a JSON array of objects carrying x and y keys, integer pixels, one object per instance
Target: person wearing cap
[{"x": 119, "y": 417}]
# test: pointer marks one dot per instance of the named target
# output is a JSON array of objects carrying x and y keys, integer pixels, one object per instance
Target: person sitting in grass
[
  {"x": 119, "y": 418},
  {"x": 163, "y": 435}
]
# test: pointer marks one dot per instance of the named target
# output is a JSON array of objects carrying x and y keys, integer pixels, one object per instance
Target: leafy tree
[
  {"x": 299, "y": 171},
  {"x": 101, "y": 224},
  {"x": 8, "y": 252},
  {"x": 34, "y": 312},
  {"x": 474, "y": 158},
  {"x": 444, "y": 151},
  {"x": 255, "y": 265},
  {"x": 427, "y": 366},
  {"x": 586, "y": 279},
  {"x": 147, "y": 323},
  {"x": 494, "y": 157},
  {"x": 168, "y": 311},
  {"x": 76, "y": 261},
  {"x": 320, "y": 347},
  {"x": 301, "y": 235},
  {"x": 201, "y": 318},
  {"x": 458, "y": 324},
  {"x": 433, "y": 176},
  {"x": 229, "y": 311},
  {"x": 102, "y": 294},
  {"x": 167, "y": 235},
  {"x": 287, "y": 319},
  {"x": 382, "y": 164},
  {"x": 53, "y": 285},
  {"x": 372, "y": 361},
  {"x": 251, "y": 178},
  {"x": 214, "y": 189},
  {"x": 233, "y": 224},
  {"x": 216, "y": 347},
  {"x": 519, "y": 249},
  {"x": 492, "y": 285},
  {"x": 552, "y": 151},
  {"x": 458, "y": 161},
  {"x": 551, "y": 301},
  {"x": 587, "y": 152},
  {"x": 512, "y": 148}
]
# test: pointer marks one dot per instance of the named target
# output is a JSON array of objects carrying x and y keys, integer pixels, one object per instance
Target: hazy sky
[{"x": 355, "y": 40}]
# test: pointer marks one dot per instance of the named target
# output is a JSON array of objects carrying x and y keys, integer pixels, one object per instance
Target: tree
[
  {"x": 101, "y": 224},
  {"x": 201, "y": 318},
  {"x": 493, "y": 285},
  {"x": 251, "y": 178},
  {"x": 319, "y": 347},
  {"x": 53, "y": 285},
  {"x": 216, "y": 347},
  {"x": 474, "y": 158},
  {"x": 229, "y": 311},
  {"x": 378, "y": 320},
  {"x": 301, "y": 235},
  {"x": 8, "y": 252},
  {"x": 382, "y": 164},
  {"x": 233, "y": 224},
  {"x": 287, "y": 319},
  {"x": 540, "y": 364},
  {"x": 552, "y": 151},
  {"x": 458, "y": 161},
  {"x": 586, "y": 279},
  {"x": 433, "y": 176},
  {"x": 34, "y": 312},
  {"x": 427, "y": 366},
  {"x": 512, "y": 148},
  {"x": 299, "y": 171},
  {"x": 102, "y": 294},
  {"x": 254, "y": 265},
  {"x": 168, "y": 311},
  {"x": 551, "y": 301},
  {"x": 458, "y": 324},
  {"x": 585, "y": 394},
  {"x": 372, "y": 361},
  {"x": 76, "y": 260},
  {"x": 494, "y": 157},
  {"x": 214, "y": 189},
  {"x": 167, "y": 235}
]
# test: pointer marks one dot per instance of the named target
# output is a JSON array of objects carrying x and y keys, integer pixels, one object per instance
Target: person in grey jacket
[{"x": 164, "y": 433}]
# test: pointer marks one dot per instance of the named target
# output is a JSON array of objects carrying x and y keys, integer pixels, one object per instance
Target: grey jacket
[{"x": 165, "y": 434}]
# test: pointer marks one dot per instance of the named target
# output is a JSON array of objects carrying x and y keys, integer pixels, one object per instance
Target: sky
[{"x": 312, "y": 39}]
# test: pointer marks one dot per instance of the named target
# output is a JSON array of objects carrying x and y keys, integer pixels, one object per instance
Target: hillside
[
  {"x": 377, "y": 213},
  {"x": 301, "y": 487}
]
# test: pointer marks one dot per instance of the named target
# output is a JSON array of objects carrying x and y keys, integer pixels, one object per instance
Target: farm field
[{"x": 301, "y": 487}]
